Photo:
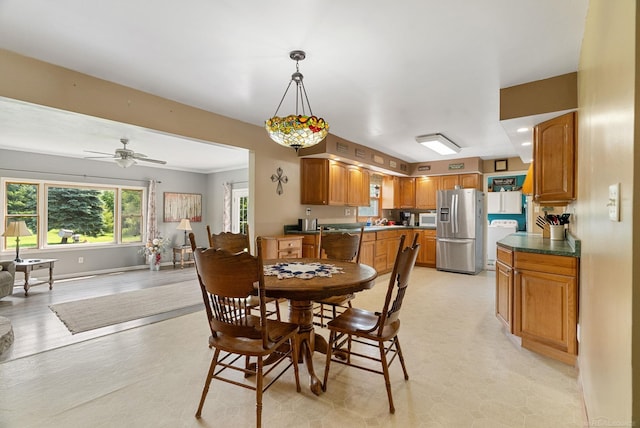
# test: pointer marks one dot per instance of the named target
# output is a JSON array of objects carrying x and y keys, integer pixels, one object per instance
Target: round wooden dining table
[{"x": 351, "y": 278}]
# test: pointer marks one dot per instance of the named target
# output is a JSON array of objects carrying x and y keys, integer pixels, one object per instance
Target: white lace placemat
[{"x": 301, "y": 270}]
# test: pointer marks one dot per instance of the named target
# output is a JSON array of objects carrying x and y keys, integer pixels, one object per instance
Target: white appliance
[
  {"x": 459, "y": 236},
  {"x": 497, "y": 230},
  {"x": 429, "y": 220}
]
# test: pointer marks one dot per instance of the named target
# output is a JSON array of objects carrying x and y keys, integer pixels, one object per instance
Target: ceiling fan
[{"x": 125, "y": 157}]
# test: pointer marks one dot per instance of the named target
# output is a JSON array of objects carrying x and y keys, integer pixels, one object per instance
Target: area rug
[{"x": 96, "y": 312}]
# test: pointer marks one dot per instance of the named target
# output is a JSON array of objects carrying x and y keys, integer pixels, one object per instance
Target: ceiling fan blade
[
  {"x": 161, "y": 162},
  {"x": 100, "y": 153}
]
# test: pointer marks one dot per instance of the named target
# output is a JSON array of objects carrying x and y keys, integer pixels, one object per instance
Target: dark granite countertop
[
  {"x": 350, "y": 228},
  {"x": 531, "y": 243}
]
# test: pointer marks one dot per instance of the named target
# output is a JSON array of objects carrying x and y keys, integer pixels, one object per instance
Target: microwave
[{"x": 428, "y": 220}]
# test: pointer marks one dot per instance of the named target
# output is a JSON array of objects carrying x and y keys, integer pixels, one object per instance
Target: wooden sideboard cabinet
[
  {"x": 554, "y": 160},
  {"x": 537, "y": 300},
  {"x": 282, "y": 247}
]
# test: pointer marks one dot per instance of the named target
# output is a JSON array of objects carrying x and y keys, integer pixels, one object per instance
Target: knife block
[{"x": 546, "y": 231}]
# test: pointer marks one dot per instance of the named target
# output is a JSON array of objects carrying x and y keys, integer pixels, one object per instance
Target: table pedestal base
[{"x": 301, "y": 313}]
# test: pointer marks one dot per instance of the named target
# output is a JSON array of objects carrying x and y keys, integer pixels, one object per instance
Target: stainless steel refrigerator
[{"x": 460, "y": 230}]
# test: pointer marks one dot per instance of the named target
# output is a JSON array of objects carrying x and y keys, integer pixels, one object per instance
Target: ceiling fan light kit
[
  {"x": 297, "y": 130},
  {"x": 124, "y": 157},
  {"x": 125, "y": 162}
]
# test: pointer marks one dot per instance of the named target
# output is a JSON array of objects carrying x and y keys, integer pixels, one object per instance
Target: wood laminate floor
[
  {"x": 464, "y": 371},
  {"x": 37, "y": 328}
]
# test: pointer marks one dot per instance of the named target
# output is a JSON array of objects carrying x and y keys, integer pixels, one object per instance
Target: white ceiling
[{"x": 380, "y": 73}]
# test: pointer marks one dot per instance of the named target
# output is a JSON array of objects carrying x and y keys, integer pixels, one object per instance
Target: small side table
[
  {"x": 27, "y": 265},
  {"x": 186, "y": 256}
]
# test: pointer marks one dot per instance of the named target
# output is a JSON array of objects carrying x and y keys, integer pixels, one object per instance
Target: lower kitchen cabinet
[
  {"x": 504, "y": 287},
  {"x": 282, "y": 247},
  {"x": 368, "y": 249},
  {"x": 427, "y": 253},
  {"x": 537, "y": 299}
]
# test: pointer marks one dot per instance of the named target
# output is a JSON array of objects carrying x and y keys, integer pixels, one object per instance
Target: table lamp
[
  {"x": 184, "y": 225},
  {"x": 17, "y": 229}
]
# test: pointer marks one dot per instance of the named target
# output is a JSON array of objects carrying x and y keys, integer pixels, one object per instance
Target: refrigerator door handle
[
  {"x": 454, "y": 203},
  {"x": 456, "y": 240}
]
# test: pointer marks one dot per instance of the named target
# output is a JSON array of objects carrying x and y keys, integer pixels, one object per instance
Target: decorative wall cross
[{"x": 280, "y": 178}]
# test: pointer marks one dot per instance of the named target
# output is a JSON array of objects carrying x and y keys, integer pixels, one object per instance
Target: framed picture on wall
[
  {"x": 501, "y": 165},
  {"x": 182, "y": 205}
]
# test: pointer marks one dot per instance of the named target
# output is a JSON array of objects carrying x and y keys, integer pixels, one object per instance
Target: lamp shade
[
  {"x": 297, "y": 130},
  {"x": 17, "y": 228},
  {"x": 184, "y": 225},
  {"x": 125, "y": 162}
]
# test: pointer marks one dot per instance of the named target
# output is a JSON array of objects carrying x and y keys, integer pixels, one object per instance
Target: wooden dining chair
[
  {"x": 234, "y": 243},
  {"x": 228, "y": 279},
  {"x": 377, "y": 329},
  {"x": 337, "y": 246}
]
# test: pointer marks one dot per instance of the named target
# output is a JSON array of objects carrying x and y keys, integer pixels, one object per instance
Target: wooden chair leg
[
  {"x": 277, "y": 303},
  {"x": 404, "y": 368},
  {"x": 259, "y": 394},
  {"x": 205, "y": 391},
  {"x": 385, "y": 371},
  {"x": 295, "y": 349},
  {"x": 332, "y": 339}
]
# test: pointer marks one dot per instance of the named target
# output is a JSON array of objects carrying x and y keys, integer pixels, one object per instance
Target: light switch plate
[{"x": 614, "y": 202}]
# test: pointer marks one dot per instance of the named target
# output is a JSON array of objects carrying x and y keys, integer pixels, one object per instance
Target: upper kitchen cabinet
[
  {"x": 504, "y": 202},
  {"x": 358, "y": 180},
  {"x": 465, "y": 181},
  {"x": 554, "y": 160},
  {"x": 426, "y": 192},
  {"x": 327, "y": 182},
  {"x": 449, "y": 182},
  {"x": 398, "y": 192},
  {"x": 470, "y": 181}
]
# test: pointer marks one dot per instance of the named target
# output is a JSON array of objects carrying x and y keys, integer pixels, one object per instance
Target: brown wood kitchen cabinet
[
  {"x": 426, "y": 192},
  {"x": 554, "y": 160},
  {"x": 357, "y": 186},
  {"x": 427, "y": 253},
  {"x": 398, "y": 192},
  {"x": 470, "y": 181},
  {"x": 328, "y": 182},
  {"x": 368, "y": 248},
  {"x": 386, "y": 249},
  {"x": 537, "y": 300},
  {"x": 504, "y": 287}
]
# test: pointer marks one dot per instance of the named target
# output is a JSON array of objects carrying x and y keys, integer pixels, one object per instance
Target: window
[
  {"x": 373, "y": 210},
  {"x": 61, "y": 214},
  {"x": 240, "y": 198}
]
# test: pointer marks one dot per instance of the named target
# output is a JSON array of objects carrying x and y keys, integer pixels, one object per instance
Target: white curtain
[
  {"x": 226, "y": 213},
  {"x": 152, "y": 222}
]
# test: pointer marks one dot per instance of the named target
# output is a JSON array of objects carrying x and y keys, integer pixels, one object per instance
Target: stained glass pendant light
[{"x": 297, "y": 130}]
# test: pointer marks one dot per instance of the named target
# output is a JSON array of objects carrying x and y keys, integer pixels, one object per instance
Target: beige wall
[
  {"x": 41, "y": 83},
  {"x": 606, "y": 85}
]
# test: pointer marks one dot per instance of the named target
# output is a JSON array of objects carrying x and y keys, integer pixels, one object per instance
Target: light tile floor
[{"x": 464, "y": 372}]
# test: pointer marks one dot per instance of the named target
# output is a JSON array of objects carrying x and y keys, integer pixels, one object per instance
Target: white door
[{"x": 239, "y": 201}]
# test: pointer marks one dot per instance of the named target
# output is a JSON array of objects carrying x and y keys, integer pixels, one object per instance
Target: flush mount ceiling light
[
  {"x": 439, "y": 144},
  {"x": 297, "y": 130}
]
